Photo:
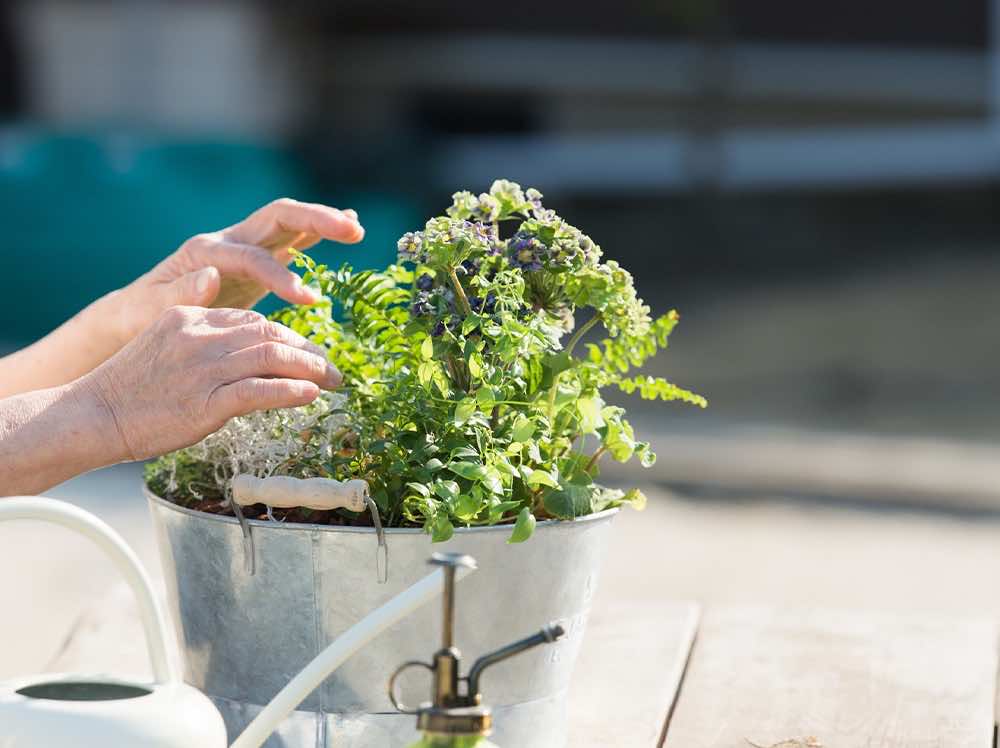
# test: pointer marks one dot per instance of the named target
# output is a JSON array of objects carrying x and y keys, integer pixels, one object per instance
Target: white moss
[{"x": 270, "y": 441}]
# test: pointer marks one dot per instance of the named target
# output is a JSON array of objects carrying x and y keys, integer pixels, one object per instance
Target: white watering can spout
[{"x": 72, "y": 711}]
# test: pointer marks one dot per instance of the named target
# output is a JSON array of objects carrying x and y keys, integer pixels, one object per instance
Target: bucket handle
[{"x": 86, "y": 524}]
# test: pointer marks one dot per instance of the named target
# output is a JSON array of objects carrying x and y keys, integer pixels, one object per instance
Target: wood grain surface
[
  {"x": 767, "y": 677},
  {"x": 630, "y": 668}
]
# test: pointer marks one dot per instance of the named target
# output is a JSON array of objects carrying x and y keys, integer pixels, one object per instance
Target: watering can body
[
  {"x": 166, "y": 715},
  {"x": 74, "y": 711}
]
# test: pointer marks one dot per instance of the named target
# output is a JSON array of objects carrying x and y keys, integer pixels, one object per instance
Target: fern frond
[
  {"x": 658, "y": 388},
  {"x": 617, "y": 355}
]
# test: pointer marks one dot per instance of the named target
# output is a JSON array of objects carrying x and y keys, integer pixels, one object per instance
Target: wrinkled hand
[
  {"x": 237, "y": 266},
  {"x": 196, "y": 368}
]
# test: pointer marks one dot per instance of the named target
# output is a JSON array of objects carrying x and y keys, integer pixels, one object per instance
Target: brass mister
[{"x": 454, "y": 719}]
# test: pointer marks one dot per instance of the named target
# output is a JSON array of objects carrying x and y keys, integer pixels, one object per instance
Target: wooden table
[
  {"x": 749, "y": 677},
  {"x": 671, "y": 674}
]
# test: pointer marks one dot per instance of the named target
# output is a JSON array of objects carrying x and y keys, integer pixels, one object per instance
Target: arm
[
  {"x": 65, "y": 354},
  {"x": 50, "y": 435},
  {"x": 234, "y": 267},
  {"x": 179, "y": 381}
]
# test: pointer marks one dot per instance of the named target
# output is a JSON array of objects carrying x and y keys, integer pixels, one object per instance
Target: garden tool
[
  {"x": 456, "y": 719},
  {"x": 101, "y": 711},
  {"x": 321, "y": 494}
]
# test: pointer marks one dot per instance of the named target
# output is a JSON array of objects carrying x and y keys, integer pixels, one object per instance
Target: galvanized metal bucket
[{"x": 245, "y": 636}]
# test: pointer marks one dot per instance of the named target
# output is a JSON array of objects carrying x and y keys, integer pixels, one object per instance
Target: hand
[
  {"x": 235, "y": 267},
  {"x": 196, "y": 368}
]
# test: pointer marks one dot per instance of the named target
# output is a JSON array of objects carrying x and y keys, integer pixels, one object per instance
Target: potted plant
[{"x": 472, "y": 408}]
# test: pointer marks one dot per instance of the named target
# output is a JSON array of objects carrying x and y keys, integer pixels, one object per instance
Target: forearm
[
  {"x": 51, "y": 435},
  {"x": 65, "y": 354}
]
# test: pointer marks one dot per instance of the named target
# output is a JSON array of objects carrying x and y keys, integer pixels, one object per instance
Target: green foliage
[{"x": 464, "y": 405}]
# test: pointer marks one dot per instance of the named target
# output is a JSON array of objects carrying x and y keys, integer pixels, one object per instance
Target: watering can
[{"x": 84, "y": 711}]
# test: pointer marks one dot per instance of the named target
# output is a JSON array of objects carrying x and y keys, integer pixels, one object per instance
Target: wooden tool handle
[{"x": 286, "y": 492}]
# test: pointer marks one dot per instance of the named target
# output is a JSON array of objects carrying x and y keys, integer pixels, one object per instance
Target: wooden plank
[
  {"x": 108, "y": 638},
  {"x": 798, "y": 679},
  {"x": 630, "y": 668}
]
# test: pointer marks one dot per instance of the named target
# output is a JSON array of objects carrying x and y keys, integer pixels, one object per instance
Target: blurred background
[{"x": 816, "y": 187}]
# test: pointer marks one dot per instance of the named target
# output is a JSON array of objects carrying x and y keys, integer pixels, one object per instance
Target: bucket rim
[{"x": 545, "y": 524}]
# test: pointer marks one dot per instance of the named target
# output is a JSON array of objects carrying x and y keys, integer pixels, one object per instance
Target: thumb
[{"x": 195, "y": 289}]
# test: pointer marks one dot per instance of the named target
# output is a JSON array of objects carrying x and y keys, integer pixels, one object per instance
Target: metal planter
[{"x": 245, "y": 636}]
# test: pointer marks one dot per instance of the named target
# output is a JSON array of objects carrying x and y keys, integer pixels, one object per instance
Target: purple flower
[
  {"x": 486, "y": 306},
  {"x": 534, "y": 198},
  {"x": 438, "y": 330},
  {"x": 468, "y": 267},
  {"x": 488, "y": 209},
  {"x": 409, "y": 247},
  {"x": 422, "y": 305},
  {"x": 525, "y": 252},
  {"x": 425, "y": 282},
  {"x": 483, "y": 233}
]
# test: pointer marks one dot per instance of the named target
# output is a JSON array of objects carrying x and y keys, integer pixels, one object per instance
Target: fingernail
[
  {"x": 306, "y": 389},
  {"x": 333, "y": 376},
  {"x": 203, "y": 280},
  {"x": 350, "y": 212}
]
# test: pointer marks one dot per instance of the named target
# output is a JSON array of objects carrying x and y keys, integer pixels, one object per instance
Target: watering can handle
[{"x": 86, "y": 524}]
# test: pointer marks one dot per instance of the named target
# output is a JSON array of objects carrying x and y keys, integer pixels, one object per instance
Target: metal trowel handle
[{"x": 285, "y": 492}]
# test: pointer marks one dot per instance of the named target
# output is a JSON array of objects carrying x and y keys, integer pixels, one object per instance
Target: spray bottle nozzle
[{"x": 450, "y": 711}]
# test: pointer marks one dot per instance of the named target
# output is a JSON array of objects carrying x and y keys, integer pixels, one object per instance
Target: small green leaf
[
  {"x": 425, "y": 373},
  {"x": 419, "y": 488},
  {"x": 466, "y": 507},
  {"x": 493, "y": 481},
  {"x": 427, "y": 349},
  {"x": 486, "y": 397},
  {"x": 647, "y": 457},
  {"x": 523, "y": 430},
  {"x": 468, "y": 470},
  {"x": 464, "y": 410},
  {"x": 434, "y": 464},
  {"x": 566, "y": 394},
  {"x": 540, "y": 478},
  {"x": 476, "y": 365},
  {"x": 574, "y": 500},
  {"x": 524, "y": 526},
  {"x": 636, "y": 498},
  {"x": 589, "y": 409},
  {"x": 442, "y": 529},
  {"x": 502, "y": 464},
  {"x": 446, "y": 489}
]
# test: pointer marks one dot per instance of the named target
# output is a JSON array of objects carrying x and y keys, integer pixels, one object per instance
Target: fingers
[
  {"x": 288, "y": 218},
  {"x": 195, "y": 289},
  {"x": 251, "y": 328},
  {"x": 249, "y": 261},
  {"x": 273, "y": 359},
  {"x": 257, "y": 393}
]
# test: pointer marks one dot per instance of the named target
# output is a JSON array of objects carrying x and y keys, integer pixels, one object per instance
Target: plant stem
[
  {"x": 569, "y": 351},
  {"x": 593, "y": 460},
  {"x": 463, "y": 300},
  {"x": 580, "y": 333}
]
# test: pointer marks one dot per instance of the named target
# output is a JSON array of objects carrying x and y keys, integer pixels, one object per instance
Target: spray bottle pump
[{"x": 453, "y": 719}]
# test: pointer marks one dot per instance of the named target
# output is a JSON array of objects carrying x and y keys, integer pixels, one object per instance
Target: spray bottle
[{"x": 453, "y": 718}]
